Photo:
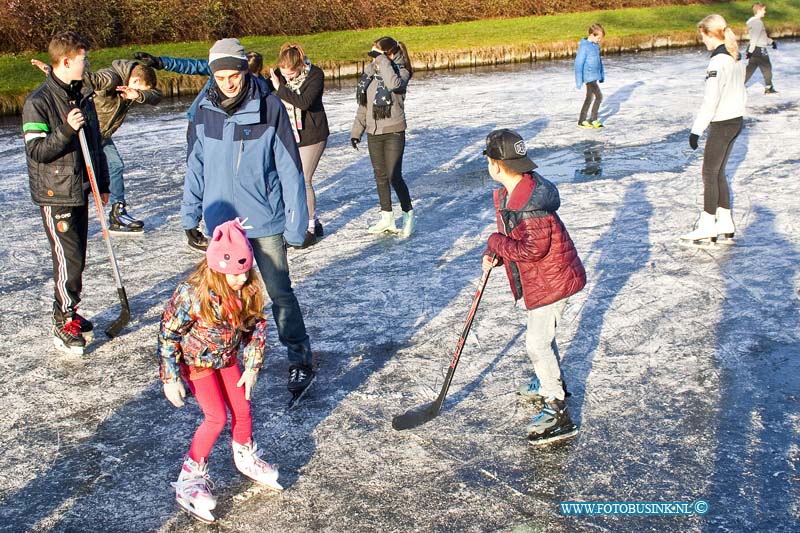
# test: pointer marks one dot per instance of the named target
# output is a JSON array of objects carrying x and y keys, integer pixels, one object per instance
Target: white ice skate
[
  {"x": 725, "y": 226},
  {"x": 193, "y": 491},
  {"x": 385, "y": 225},
  {"x": 704, "y": 235},
  {"x": 247, "y": 458}
]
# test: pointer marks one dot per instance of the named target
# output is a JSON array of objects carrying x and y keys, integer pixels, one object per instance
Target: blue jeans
[
  {"x": 270, "y": 256},
  {"x": 115, "y": 169}
]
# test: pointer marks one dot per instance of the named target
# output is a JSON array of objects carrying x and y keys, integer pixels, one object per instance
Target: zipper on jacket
[{"x": 239, "y": 158}]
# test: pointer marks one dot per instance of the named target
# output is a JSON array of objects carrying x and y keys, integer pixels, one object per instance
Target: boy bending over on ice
[{"x": 544, "y": 270}]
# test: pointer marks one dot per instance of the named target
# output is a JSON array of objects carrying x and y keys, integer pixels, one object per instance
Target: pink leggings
[{"x": 214, "y": 393}]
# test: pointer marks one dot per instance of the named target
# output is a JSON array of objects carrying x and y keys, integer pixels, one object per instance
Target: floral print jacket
[{"x": 185, "y": 338}]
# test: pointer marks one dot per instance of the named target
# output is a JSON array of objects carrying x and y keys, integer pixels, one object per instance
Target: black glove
[
  {"x": 774, "y": 45},
  {"x": 149, "y": 60},
  {"x": 693, "y": 141},
  {"x": 355, "y": 142},
  {"x": 748, "y": 54}
]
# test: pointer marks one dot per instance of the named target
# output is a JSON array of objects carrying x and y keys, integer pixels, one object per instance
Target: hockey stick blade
[
  {"x": 415, "y": 417},
  {"x": 124, "y": 315}
]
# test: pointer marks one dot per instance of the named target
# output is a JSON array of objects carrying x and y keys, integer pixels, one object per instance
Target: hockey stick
[
  {"x": 125, "y": 313},
  {"x": 420, "y": 415}
]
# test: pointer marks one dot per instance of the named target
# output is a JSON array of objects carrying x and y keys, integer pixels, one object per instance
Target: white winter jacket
[{"x": 725, "y": 95}]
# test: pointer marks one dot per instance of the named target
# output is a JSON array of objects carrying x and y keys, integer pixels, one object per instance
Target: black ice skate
[
  {"x": 300, "y": 379},
  {"x": 67, "y": 337},
  {"x": 121, "y": 223},
  {"x": 86, "y": 326},
  {"x": 196, "y": 240},
  {"x": 551, "y": 424}
]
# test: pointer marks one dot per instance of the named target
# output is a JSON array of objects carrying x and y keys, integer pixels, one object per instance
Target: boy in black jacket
[{"x": 51, "y": 118}]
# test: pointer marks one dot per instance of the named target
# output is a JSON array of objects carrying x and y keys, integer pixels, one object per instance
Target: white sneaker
[
  {"x": 409, "y": 223},
  {"x": 193, "y": 490},
  {"x": 248, "y": 462},
  {"x": 385, "y": 224}
]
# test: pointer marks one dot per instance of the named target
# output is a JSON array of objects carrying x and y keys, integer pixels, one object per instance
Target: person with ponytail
[
  {"x": 212, "y": 316},
  {"x": 381, "y": 94},
  {"x": 721, "y": 112},
  {"x": 300, "y": 84}
]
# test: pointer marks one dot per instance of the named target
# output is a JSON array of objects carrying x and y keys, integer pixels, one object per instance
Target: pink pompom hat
[{"x": 229, "y": 251}]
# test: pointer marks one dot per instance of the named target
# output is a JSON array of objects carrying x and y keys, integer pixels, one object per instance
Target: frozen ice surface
[{"x": 683, "y": 363}]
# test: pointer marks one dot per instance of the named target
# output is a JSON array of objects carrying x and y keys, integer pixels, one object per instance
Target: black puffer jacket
[{"x": 55, "y": 164}]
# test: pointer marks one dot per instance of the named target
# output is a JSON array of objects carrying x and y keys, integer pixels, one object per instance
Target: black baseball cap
[{"x": 507, "y": 146}]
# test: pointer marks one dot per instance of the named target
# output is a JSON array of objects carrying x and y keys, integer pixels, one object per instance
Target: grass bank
[{"x": 483, "y": 42}]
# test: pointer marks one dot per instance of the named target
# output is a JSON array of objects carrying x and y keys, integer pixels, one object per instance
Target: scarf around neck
[
  {"x": 232, "y": 104},
  {"x": 295, "y": 114},
  {"x": 382, "y": 103}
]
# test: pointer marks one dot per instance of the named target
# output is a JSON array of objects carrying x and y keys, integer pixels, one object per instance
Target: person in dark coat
[
  {"x": 543, "y": 268},
  {"x": 300, "y": 84}
]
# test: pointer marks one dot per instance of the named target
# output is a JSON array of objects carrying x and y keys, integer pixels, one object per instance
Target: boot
[
  {"x": 318, "y": 230},
  {"x": 120, "y": 222},
  {"x": 725, "y": 226},
  {"x": 67, "y": 336},
  {"x": 704, "y": 234},
  {"x": 193, "y": 490},
  {"x": 409, "y": 223},
  {"x": 769, "y": 89},
  {"x": 552, "y": 423},
  {"x": 247, "y": 458},
  {"x": 385, "y": 224}
]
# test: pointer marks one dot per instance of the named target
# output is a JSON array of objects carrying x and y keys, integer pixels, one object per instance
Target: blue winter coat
[
  {"x": 197, "y": 67},
  {"x": 246, "y": 165},
  {"x": 588, "y": 65}
]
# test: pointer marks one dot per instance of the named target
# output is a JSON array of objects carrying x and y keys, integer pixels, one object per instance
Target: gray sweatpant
[{"x": 540, "y": 343}]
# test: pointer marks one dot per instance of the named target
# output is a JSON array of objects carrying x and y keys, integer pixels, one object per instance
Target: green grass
[{"x": 18, "y": 77}]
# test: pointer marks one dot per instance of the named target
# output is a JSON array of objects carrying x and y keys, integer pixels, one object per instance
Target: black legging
[
  {"x": 386, "y": 152},
  {"x": 592, "y": 91},
  {"x": 721, "y": 136}
]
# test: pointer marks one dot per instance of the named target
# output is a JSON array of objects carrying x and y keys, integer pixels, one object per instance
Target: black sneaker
[
  {"x": 196, "y": 240},
  {"x": 318, "y": 231},
  {"x": 68, "y": 338},
  {"x": 119, "y": 221},
  {"x": 552, "y": 423}
]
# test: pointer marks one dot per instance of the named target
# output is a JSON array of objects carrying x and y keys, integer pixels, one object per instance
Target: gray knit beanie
[{"x": 227, "y": 54}]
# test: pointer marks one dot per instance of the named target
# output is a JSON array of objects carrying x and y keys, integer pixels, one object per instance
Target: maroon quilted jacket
[{"x": 539, "y": 255}]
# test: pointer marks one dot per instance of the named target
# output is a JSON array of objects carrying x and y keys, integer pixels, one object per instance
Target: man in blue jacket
[{"x": 244, "y": 163}]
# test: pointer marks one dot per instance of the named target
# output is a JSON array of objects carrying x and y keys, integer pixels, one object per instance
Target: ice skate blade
[
  {"x": 61, "y": 347},
  {"x": 726, "y": 240},
  {"x": 297, "y": 396},
  {"x": 88, "y": 336},
  {"x": 568, "y": 434},
  {"x": 203, "y": 515},
  {"x": 703, "y": 244},
  {"x": 271, "y": 485},
  {"x": 126, "y": 233}
]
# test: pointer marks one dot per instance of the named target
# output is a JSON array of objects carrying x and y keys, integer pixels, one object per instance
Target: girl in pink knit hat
[{"x": 216, "y": 312}]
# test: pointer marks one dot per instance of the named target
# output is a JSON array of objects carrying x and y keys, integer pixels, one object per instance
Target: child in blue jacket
[{"x": 589, "y": 70}]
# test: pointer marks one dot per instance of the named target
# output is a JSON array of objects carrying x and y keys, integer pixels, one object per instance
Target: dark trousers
[
  {"x": 721, "y": 136},
  {"x": 67, "y": 229},
  {"x": 759, "y": 60},
  {"x": 592, "y": 92},
  {"x": 386, "y": 153}
]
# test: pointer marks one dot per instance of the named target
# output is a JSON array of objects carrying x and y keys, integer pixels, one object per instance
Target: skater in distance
[
  {"x": 381, "y": 95},
  {"x": 757, "y": 53},
  {"x": 589, "y": 70},
  {"x": 722, "y": 110},
  {"x": 543, "y": 268},
  {"x": 212, "y": 316}
]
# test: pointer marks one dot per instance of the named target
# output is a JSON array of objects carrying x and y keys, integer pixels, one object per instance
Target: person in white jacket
[
  {"x": 722, "y": 111},
  {"x": 757, "y": 55}
]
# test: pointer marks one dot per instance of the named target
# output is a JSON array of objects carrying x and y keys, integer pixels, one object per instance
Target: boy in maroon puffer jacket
[{"x": 544, "y": 270}]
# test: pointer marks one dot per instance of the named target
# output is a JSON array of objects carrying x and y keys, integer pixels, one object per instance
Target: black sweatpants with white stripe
[{"x": 67, "y": 230}]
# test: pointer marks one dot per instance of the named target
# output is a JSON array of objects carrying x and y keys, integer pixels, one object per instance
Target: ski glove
[
  {"x": 149, "y": 60},
  {"x": 693, "y": 138},
  {"x": 249, "y": 378},
  {"x": 355, "y": 142},
  {"x": 774, "y": 45},
  {"x": 748, "y": 54},
  {"x": 175, "y": 393}
]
